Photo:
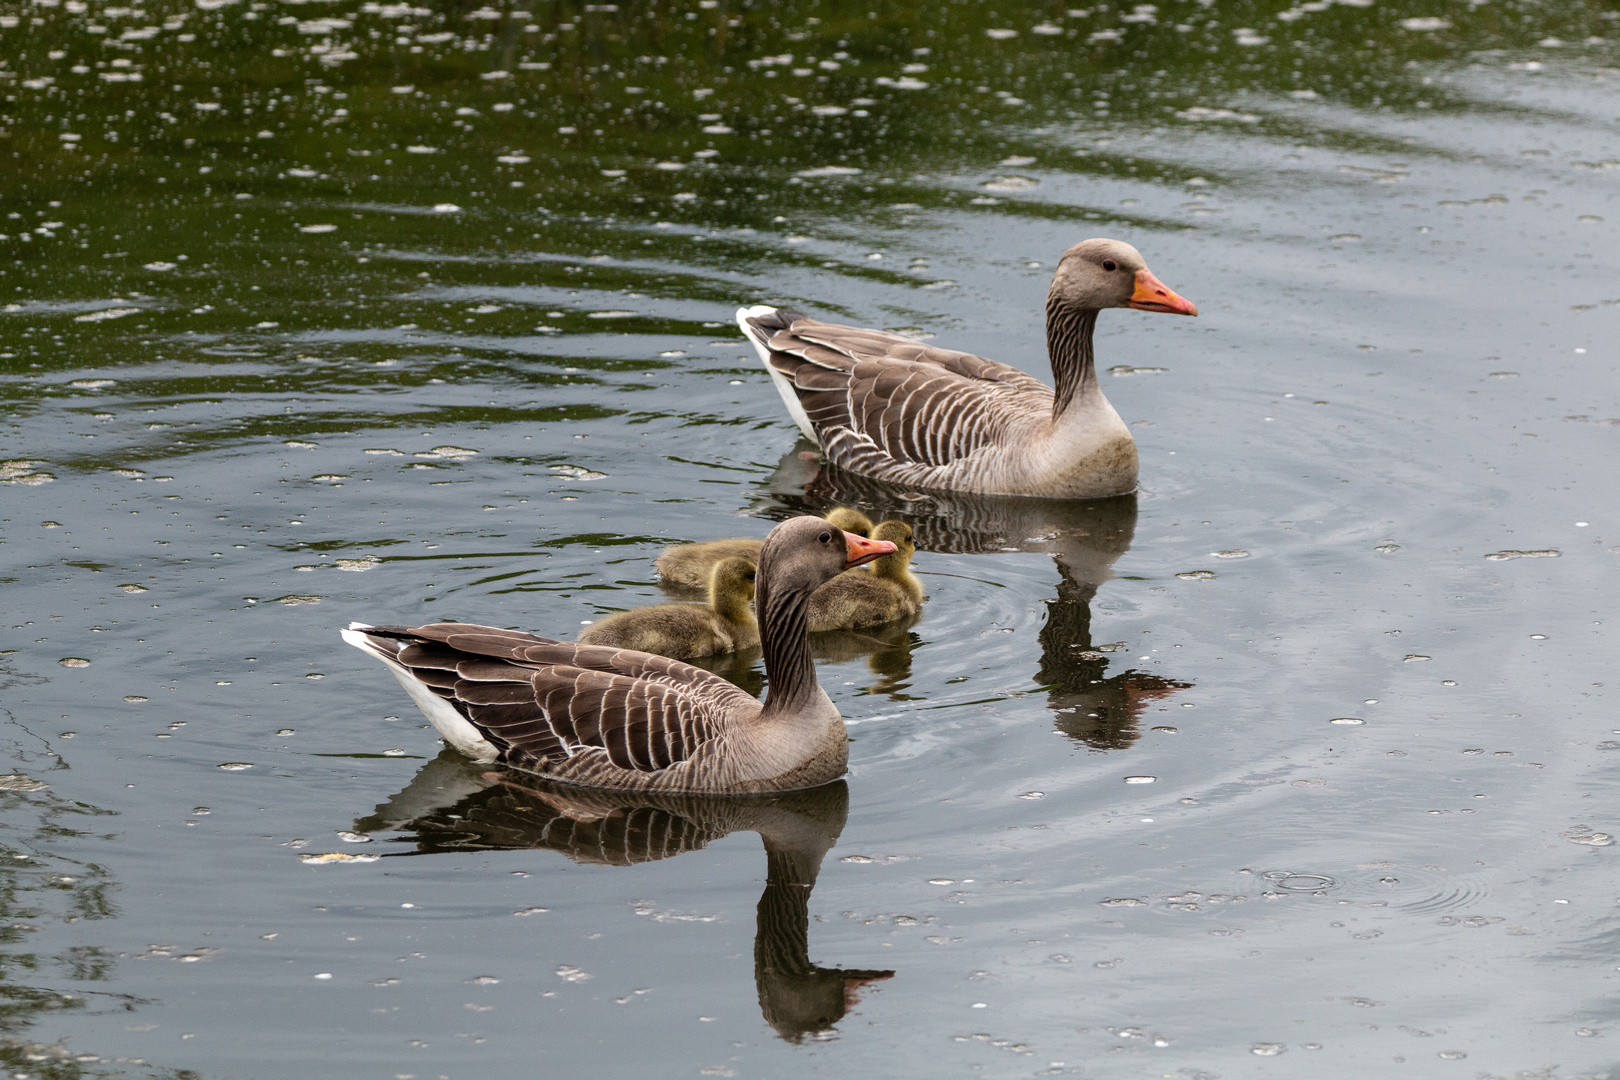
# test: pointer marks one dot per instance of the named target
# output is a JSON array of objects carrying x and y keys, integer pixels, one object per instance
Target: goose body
[
  {"x": 724, "y": 624},
  {"x": 897, "y": 410},
  {"x": 616, "y": 718},
  {"x": 887, "y": 592},
  {"x": 691, "y": 564}
]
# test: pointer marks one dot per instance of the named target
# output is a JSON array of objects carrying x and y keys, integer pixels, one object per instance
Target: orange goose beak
[
  {"x": 1154, "y": 295},
  {"x": 862, "y": 551}
]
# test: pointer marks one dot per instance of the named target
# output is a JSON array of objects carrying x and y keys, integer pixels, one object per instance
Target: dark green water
[{"x": 326, "y": 311}]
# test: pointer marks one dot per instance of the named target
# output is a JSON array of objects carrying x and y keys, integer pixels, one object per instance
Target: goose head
[
  {"x": 803, "y": 553},
  {"x": 1097, "y": 274},
  {"x": 850, "y": 520}
]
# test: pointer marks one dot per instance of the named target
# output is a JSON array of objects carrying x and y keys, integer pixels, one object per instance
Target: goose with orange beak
[
  {"x": 607, "y": 717},
  {"x": 922, "y": 416}
]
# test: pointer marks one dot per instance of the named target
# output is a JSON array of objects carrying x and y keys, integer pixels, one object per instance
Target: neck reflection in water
[
  {"x": 453, "y": 805},
  {"x": 1085, "y": 539}
]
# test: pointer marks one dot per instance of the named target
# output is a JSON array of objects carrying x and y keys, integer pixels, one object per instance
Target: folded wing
[
  {"x": 542, "y": 702},
  {"x": 886, "y": 405}
]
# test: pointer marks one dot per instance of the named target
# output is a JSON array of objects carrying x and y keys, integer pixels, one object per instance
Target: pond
[{"x": 1299, "y": 760}]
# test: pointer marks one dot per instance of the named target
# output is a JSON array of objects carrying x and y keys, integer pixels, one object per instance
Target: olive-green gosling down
[
  {"x": 886, "y": 592},
  {"x": 690, "y": 564},
  {"x": 678, "y": 631}
]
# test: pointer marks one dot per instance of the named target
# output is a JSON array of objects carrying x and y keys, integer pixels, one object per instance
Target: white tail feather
[
  {"x": 457, "y": 730},
  {"x": 784, "y": 386}
]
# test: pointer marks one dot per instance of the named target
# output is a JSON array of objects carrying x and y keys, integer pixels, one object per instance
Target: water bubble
[
  {"x": 236, "y": 766},
  {"x": 1267, "y": 1049},
  {"x": 74, "y": 661},
  {"x": 568, "y": 973},
  {"x": 1122, "y": 901},
  {"x": 354, "y": 838},
  {"x": 1197, "y": 575},
  {"x": 1033, "y": 795},
  {"x": 530, "y": 911},
  {"x": 1415, "y": 658},
  {"x": 1452, "y": 1055},
  {"x": 135, "y": 699},
  {"x": 1234, "y": 553},
  {"x": 1289, "y": 881},
  {"x": 1347, "y": 720},
  {"x": 1141, "y": 779},
  {"x": 324, "y": 975}
]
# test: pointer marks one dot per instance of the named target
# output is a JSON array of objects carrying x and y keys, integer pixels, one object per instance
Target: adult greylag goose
[
  {"x": 725, "y": 624},
  {"x": 690, "y": 564},
  {"x": 615, "y": 718},
  {"x": 887, "y": 592},
  {"x": 894, "y": 409}
]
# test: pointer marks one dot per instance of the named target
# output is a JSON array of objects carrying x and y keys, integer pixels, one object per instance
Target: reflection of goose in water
[
  {"x": 1085, "y": 539},
  {"x": 887, "y": 650},
  {"x": 453, "y": 806}
]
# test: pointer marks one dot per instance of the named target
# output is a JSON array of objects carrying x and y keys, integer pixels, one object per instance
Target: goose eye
[
  {"x": 1110, "y": 264},
  {"x": 825, "y": 538}
]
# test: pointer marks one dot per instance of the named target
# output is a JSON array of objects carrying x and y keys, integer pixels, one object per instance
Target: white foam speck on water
[
  {"x": 105, "y": 314},
  {"x": 330, "y": 857},
  {"x": 1141, "y": 779}
]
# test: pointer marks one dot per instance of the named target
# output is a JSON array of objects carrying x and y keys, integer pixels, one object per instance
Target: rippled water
[{"x": 1298, "y": 761}]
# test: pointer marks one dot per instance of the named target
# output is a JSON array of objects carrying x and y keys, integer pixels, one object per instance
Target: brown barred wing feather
[
  {"x": 543, "y": 702},
  {"x": 891, "y": 407}
]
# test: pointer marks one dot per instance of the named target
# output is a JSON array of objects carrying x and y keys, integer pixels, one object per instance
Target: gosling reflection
[
  {"x": 1085, "y": 539},
  {"x": 453, "y": 805}
]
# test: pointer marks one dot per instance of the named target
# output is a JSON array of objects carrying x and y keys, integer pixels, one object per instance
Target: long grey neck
[
  {"x": 784, "y": 628},
  {"x": 1068, "y": 343}
]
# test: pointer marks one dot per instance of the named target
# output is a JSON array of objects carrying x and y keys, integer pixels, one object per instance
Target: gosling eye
[
  {"x": 750, "y": 575},
  {"x": 825, "y": 538},
  {"x": 1110, "y": 264}
]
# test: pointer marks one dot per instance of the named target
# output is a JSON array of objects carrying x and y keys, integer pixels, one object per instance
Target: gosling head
[
  {"x": 897, "y": 533},
  {"x": 850, "y": 520},
  {"x": 732, "y": 579}
]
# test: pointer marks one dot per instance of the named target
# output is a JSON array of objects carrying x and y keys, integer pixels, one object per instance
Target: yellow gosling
[
  {"x": 858, "y": 598},
  {"x": 678, "y": 631},
  {"x": 690, "y": 564}
]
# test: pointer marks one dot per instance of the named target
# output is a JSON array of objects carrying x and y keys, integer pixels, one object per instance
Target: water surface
[{"x": 327, "y": 311}]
